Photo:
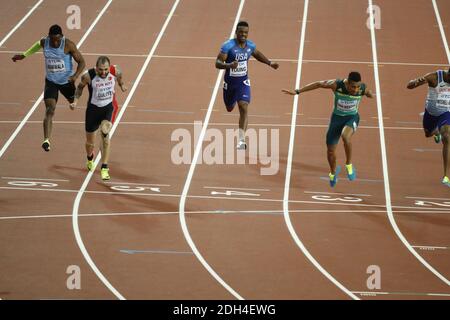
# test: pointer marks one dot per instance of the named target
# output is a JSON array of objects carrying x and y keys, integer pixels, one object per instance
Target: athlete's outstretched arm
[
  {"x": 326, "y": 84},
  {"x": 262, "y": 58},
  {"x": 85, "y": 79},
  {"x": 119, "y": 76},
  {"x": 429, "y": 78},
  {"x": 78, "y": 57},
  {"x": 368, "y": 93},
  {"x": 38, "y": 45},
  {"x": 221, "y": 64}
]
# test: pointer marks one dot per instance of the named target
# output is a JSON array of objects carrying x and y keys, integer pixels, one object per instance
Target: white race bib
[
  {"x": 102, "y": 90},
  {"x": 347, "y": 105},
  {"x": 104, "y": 94},
  {"x": 55, "y": 65},
  {"x": 240, "y": 71}
]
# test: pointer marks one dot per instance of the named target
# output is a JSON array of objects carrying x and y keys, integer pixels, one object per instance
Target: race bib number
[
  {"x": 240, "y": 71},
  {"x": 104, "y": 94},
  {"x": 347, "y": 105},
  {"x": 55, "y": 65},
  {"x": 443, "y": 97}
]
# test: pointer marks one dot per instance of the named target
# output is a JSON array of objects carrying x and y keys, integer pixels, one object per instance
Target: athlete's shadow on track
[
  {"x": 79, "y": 172},
  {"x": 300, "y": 169},
  {"x": 438, "y": 219},
  {"x": 141, "y": 223},
  {"x": 70, "y": 173}
]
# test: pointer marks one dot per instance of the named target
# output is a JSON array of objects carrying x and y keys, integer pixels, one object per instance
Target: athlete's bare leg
[
  {"x": 243, "y": 115},
  {"x": 445, "y": 132},
  {"x": 429, "y": 134},
  {"x": 50, "y": 106},
  {"x": 90, "y": 143},
  {"x": 347, "y": 134},
  {"x": 105, "y": 128},
  {"x": 243, "y": 123},
  {"x": 331, "y": 156}
]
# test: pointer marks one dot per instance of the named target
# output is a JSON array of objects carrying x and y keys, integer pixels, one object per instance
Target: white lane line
[
  {"x": 10, "y": 103},
  {"x": 426, "y": 150},
  {"x": 34, "y": 179},
  {"x": 232, "y": 188},
  {"x": 20, "y": 23},
  {"x": 359, "y": 180},
  {"x": 408, "y": 122},
  {"x": 165, "y": 111},
  {"x": 375, "y": 293},
  {"x": 215, "y": 124},
  {"x": 88, "y": 215},
  {"x": 96, "y": 54},
  {"x": 380, "y": 63},
  {"x": 91, "y": 192},
  {"x": 136, "y": 184},
  {"x": 213, "y": 212},
  {"x": 431, "y": 248},
  {"x": 129, "y": 55},
  {"x": 41, "y": 97},
  {"x": 77, "y": 201},
  {"x": 142, "y": 194},
  {"x": 289, "y": 165},
  {"x": 36, "y": 122},
  {"x": 187, "y": 184},
  {"x": 343, "y": 194},
  {"x": 441, "y": 29},
  {"x": 425, "y": 198},
  {"x": 131, "y": 251},
  {"x": 252, "y": 115},
  {"x": 384, "y": 154}
]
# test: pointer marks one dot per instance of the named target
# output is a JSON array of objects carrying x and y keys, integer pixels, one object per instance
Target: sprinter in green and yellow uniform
[{"x": 344, "y": 119}]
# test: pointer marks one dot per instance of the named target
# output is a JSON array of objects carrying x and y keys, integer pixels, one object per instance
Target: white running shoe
[{"x": 242, "y": 145}]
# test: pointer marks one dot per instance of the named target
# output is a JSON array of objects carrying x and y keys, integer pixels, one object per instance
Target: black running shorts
[
  {"x": 95, "y": 115},
  {"x": 51, "y": 90}
]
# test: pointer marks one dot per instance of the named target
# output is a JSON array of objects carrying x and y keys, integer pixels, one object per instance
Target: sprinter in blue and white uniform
[
  {"x": 233, "y": 57},
  {"x": 60, "y": 77},
  {"x": 436, "y": 118}
]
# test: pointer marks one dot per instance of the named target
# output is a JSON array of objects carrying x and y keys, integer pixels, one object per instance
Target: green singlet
[{"x": 344, "y": 103}]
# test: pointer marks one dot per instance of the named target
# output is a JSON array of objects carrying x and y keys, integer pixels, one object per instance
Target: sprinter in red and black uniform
[{"x": 101, "y": 107}]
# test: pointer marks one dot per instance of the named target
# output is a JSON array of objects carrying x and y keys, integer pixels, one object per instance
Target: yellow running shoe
[
  {"x": 334, "y": 177},
  {"x": 105, "y": 174},
  {"x": 437, "y": 138},
  {"x": 351, "y": 172},
  {"x": 446, "y": 181},
  {"x": 90, "y": 165}
]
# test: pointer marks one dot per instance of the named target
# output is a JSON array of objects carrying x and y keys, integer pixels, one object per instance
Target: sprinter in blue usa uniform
[{"x": 233, "y": 57}]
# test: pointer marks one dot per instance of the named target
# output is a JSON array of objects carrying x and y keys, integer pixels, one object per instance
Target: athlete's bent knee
[
  {"x": 50, "y": 111},
  {"x": 105, "y": 128},
  {"x": 331, "y": 149},
  {"x": 445, "y": 136},
  {"x": 106, "y": 140},
  {"x": 346, "y": 139}
]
